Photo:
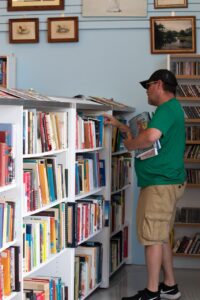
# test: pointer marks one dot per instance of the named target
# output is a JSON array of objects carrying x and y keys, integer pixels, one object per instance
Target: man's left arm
[{"x": 145, "y": 139}]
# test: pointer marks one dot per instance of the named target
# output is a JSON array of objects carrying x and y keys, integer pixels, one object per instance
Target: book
[
  {"x": 5, "y": 262},
  {"x": 137, "y": 124}
]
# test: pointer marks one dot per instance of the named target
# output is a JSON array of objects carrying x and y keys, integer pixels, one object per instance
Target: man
[{"x": 161, "y": 179}]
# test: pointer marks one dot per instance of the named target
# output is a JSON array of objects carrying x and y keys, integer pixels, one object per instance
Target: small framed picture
[
  {"x": 173, "y": 34},
  {"x": 63, "y": 29},
  {"x": 170, "y": 3},
  {"x": 22, "y": 5},
  {"x": 24, "y": 30}
]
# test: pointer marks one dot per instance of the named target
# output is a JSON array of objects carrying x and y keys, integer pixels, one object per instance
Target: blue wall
[{"x": 111, "y": 57}]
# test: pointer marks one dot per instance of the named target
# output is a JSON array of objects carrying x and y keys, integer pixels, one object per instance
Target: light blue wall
[{"x": 111, "y": 57}]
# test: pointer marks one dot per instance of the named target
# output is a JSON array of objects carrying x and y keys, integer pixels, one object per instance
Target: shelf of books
[
  {"x": 186, "y": 67},
  {"x": 121, "y": 198}
]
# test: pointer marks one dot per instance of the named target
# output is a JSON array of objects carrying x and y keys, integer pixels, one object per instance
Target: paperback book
[{"x": 137, "y": 124}]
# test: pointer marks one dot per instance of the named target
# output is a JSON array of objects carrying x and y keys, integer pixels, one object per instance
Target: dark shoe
[
  {"x": 144, "y": 295},
  {"x": 169, "y": 292}
]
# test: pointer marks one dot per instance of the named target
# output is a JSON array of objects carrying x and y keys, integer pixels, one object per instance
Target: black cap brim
[{"x": 144, "y": 83}]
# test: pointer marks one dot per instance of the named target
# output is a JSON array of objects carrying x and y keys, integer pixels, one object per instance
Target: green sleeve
[{"x": 163, "y": 119}]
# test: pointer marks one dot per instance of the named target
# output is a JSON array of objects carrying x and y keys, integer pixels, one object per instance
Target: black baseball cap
[{"x": 163, "y": 74}]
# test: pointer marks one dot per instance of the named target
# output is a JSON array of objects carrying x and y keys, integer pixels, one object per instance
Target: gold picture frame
[
  {"x": 62, "y": 29},
  {"x": 173, "y": 34},
  {"x": 23, "y": 5},
  {"x": 24, "y": 30},
  {"x": 170, "y": 3}
]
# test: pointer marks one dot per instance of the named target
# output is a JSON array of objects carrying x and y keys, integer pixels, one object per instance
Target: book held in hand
[{"x": 137, "y": 124}]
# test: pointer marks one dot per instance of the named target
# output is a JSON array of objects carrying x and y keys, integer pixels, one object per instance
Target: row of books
[
  {"x": 188, "y": 245},
  {"x": 192, "y": 152},
  {"x": 30, "y": 94},
  {"x": 43, "y": 288},
  {"x": 44, "y": 131},
  {"x": 88, "y": 268},
  {"x": 117, "y": 137},
  {"x": 186, "y": 68},
  {"x": 116, "y": 251},
  {"x": 121, "y": 172},
  {"x": 7, "y": 153},
  {"x": 193, "y": 133},
  {"x": 193, "y": 176},
  {"x": 188, "y": 90},
  {"x": 43, "y": 236},
  {"x": 187, "y": 215},
  {"x": 89, "y": 131},
  {"x": 45, "y": 181},
  {"x": 9, "y": 271},
  {"x": 192, "y": 112},
  {"x": 117, "y": 210},
  {"x": 7, "y": 223},
  {"x": 89, "y": 172},
  {"x": 3, "y": 72},
  {"x": 104, "y": 101},
  {"x": 83, "y": 218}
]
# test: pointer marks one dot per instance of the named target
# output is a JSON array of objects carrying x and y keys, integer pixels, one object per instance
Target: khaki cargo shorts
[{"x": 156, "y": 212}]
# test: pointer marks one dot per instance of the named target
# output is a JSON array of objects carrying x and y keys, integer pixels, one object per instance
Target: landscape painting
[{"x": 173, "y": 34}]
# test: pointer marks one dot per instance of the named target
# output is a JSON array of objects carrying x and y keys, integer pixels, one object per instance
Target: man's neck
[{"x": 165, "y": 98}]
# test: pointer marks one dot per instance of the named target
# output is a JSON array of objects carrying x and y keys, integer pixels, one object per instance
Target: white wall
[{"x": 111, "y": 57}]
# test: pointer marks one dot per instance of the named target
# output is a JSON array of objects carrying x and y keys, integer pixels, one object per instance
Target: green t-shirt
[{"x": 168, "y": 166}]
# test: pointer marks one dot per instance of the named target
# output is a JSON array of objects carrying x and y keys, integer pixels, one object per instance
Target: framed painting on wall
[
  {"x": 63, "y": 29},
  {"x": 170, "y": 3},
  {"x": 116, "y": 8},
  {"x": 24, "y": 30},
  {"x": 20, "y": 5},
  {"x": 173, "y": 34}
]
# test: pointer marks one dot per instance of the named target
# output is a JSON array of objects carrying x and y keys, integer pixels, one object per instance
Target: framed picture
[
  {"x": 173, "y": 34},
  {"x": 170, "y": 3},
  {"x": 63, "y": 29},
  {"x": 24, "y": 30},
  {"x": 115, "y": 8},
  {"x": 20, "y": 5}
]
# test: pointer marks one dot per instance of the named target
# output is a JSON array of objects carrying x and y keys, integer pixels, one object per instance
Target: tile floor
[{"x": 129, "y": 279}]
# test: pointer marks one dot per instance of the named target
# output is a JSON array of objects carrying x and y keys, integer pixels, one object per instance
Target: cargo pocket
[{"x": 156, "y": 226}]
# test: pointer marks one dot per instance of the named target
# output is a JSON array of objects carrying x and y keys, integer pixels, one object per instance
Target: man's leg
[
  {"x": 167, "y": 264},
  {"x": 168, "y": 289},
  {"x": 153, "y": 255}
]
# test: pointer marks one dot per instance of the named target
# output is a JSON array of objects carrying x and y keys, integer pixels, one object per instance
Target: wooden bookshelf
[
  {"x": 187, "y": 71},
  {"x": 193, "y": 142},
  {"x": 187, "y": 224},
  {"x": 188, "y": 99},
  {"x": 192, "y": 121},
  {"x": 192, "y": 161},
  {"x": 184, "y": 255}
]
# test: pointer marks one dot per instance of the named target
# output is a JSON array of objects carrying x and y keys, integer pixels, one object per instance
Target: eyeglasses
[{"x": 151, "y": 82}]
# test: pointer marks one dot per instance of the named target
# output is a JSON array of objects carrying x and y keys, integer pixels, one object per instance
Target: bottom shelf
[
  {"x": 119, "y": 266},
  {"x": 12, "y": 296},
  {"x": 91, "y": 291}
]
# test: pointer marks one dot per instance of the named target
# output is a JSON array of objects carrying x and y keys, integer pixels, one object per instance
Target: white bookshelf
[
  {"x": 62, "y": 263},
  {"x": 127, "y": 191},
  {"x": 13, "y": 192}
]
